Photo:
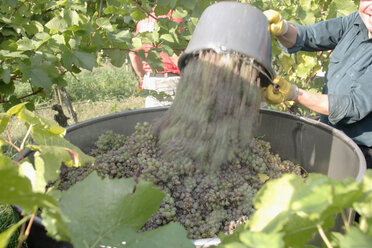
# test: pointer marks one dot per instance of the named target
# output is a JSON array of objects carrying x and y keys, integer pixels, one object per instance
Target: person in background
[
  {"x": 161, "y": 81},
  {"x": 346, "y": 100}
]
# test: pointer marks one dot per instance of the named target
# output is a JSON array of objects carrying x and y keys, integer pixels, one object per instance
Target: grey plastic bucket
[
  {"x": 316, "y": 146},
  {"x": 232, "y": 27}
]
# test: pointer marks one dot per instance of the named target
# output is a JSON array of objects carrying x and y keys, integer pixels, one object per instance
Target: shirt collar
[
  {"x": 358, "y": 21},
  {"x": 361, "y": 27}
]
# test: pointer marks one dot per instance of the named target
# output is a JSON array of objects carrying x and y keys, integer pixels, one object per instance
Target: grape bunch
[{"x": 205, "y": 202}]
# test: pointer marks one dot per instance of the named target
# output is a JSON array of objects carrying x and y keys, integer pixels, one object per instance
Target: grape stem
[{"x": 323, "y": 235}]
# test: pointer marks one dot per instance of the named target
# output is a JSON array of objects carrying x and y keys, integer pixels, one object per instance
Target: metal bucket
[
  {"x": 232, "y": 27},
  {"x": 316, "y": 146}
]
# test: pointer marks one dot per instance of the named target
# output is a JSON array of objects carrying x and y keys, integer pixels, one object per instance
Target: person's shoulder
[{"x": 353, "y": 17}]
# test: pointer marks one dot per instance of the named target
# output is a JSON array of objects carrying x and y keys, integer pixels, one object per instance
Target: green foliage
[
  {"x": 111, "y": 214},
  {"x": 40, "y": 41},
  {"x": 94, "y": 211},
  {"x": 289, "y": 210}
]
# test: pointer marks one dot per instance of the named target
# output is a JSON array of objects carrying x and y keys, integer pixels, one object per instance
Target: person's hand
[
  {"x": 277, "y": 25},
  {"x": 139, "y": 85},
  {"x": 285, "y": 92}
]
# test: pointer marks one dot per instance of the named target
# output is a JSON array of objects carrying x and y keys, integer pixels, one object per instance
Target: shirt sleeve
[
  {"x": 321, "y": 36},
  {"x": 353, "y": 107}
]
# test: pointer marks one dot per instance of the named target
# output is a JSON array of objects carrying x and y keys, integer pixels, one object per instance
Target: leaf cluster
[
  {"x": 40, "y": 41},
  {"x": 93, "y": 213},
  {"x": 290, "y": 210}
]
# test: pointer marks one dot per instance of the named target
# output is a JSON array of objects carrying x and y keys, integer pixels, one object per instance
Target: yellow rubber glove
[
  {"x": 277, "y": 25},
  {"x": 285, "y": 92}
]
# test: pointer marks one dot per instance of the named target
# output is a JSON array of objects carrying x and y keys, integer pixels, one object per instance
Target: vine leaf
[
  {"x": 17, "y": 190},
  {"x": 50, "y": 138},
  {"x": 262, "y": 240},
  {"x": 71, "y": 17},
  {"x": 117, "y": 57},
  {"x": 30, "y": 118},
  {"x": 40, "y": 78},
  {"x": 302, "y": 205},
  {"x": 84, "y": 60},
  {"x": 53, "y": 149},
  {"x": 26, "y": 169},
  {"x": 104, "y": 23},
  {"x": 190, "y": 4},
  {"x": 106, "y": 212},
  {"x": 306, "y": 63},
  {"x": 5, "y": 76},
  {"x": 25, "y": 44},
  {"x": 364, "y": 206},
  {"x": 355, "y": 238},
  {"x": 272, "y": 193},
  {"x": 64, "y": 151},
  {"x": 58, "y": 24},
  {"x": 341, "y": 8},
  {"x": 171, "y": 235},
  {"x": 4, "y": 120}
]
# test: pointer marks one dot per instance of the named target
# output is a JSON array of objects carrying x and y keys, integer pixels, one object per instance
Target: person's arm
[
  {"x": 313, "y": 101},
  {"x": 290, "y": 92},
  {"x": 288, "y": 39},
  {"x": 137, "y": 65},
  {"x": 175, "y": 58}
]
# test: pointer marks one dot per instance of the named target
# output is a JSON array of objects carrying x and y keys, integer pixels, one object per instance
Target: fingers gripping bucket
[{"x": 232, "y": 27}]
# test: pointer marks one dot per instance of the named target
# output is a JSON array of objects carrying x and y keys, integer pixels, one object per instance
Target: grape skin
[{"x": 204, "y": 202}]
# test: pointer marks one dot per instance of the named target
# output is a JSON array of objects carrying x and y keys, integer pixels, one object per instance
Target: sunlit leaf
[
  {"x": 167, "y": 37},
  {"x": 262, "y": 240},
  {"x": 278, "y": 193},
  {"x": 70, "y": 154},
  {"x": 57, "y": 23},
  {"x": 104, "y": 23},
  {"x": 5, "y": 75},
  {"x": 341, "y": 8},
  {"x": 364, "y": 206},
  {"x": 120, "y": 36},
  {"x": 110, "y": 214},
  {"x": 26, "y": 169},
  {"x": 8, "y": 54},
  {"x": 26, "y": 44},
  {"x": 4, "y": 120},
  {"x": 71, "y": 17},
  {"x": 355, "y": 238},
  {"x": 137, "y": 43},
  {"x": 17, "y": 190},
  {"x": 23, "y": 114}
]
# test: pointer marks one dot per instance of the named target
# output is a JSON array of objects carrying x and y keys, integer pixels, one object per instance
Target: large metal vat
[{"x": 316, "y": 146}]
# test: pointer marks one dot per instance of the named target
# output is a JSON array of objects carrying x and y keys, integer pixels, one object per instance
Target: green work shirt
[{"x": 348, "y": 80}]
